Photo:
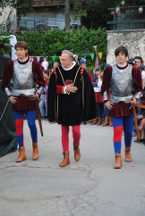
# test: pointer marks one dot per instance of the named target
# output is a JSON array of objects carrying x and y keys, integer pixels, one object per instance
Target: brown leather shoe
[
  {"x": 128, "y": 157},
  {"x": 94, "y": 122},
  {"x": 66, "y": 160},
  {"x": 106, "y": 123},
  {"x": 22, "y": 155},
  {"x": 118, "y": 161},
  {"x": 77, "y": 154},
  {"x": 111, "y": 123},
  {"x": 99, "y": 121},
  {"x": 35, "y": 151}
]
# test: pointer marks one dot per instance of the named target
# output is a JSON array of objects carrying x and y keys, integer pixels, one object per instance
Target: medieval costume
[
  {"x": 126, "y": 84},
  {"x": 97, "y": 83},
  {"x": 70, "y": 109},
  {"x": 24, "y": 74}
]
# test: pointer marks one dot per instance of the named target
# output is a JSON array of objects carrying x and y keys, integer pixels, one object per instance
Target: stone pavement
[{"x": 90, "y": 187}]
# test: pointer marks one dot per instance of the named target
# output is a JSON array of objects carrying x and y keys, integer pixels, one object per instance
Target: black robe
[{"x": 71, "y": 109}]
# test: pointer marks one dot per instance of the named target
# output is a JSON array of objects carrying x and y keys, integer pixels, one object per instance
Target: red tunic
[
  {"x": 23, "y": 103},
  {"x": 121, "y": 109}
]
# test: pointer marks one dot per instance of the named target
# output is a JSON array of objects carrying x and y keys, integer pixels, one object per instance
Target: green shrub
[{"x": 52, "y": 42}]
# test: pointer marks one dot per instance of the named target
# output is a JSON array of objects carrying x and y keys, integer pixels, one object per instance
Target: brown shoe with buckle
[
  {"x": 77, "y": 154},
  {"x": 128, "y": 157},
  {"x": 35, "y": 151},
  {"x": 22, "y": 155},
  {"x": 118, "y": 161},
  {"x": 66, "y": 160}
]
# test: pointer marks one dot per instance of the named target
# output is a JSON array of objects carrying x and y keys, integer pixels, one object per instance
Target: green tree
[{"x": 80, "y": 9}]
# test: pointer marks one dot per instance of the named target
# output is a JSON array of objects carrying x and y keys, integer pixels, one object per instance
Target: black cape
[{"x": 71, "y": 109}]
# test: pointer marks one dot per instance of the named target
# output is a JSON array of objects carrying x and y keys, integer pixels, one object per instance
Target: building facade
[{"x": 47, "y": 14}]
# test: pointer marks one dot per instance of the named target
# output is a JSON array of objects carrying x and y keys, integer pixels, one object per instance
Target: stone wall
[{"x": 133, "y": 39}]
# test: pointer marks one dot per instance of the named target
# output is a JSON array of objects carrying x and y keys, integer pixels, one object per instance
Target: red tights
[{"x": 65, "y": 139}]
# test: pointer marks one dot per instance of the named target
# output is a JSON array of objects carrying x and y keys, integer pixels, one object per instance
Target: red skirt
[{"x": 99, "y": 98}]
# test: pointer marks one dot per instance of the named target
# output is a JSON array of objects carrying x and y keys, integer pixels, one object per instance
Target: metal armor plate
[
  {"x": 121, "y": 85},
  {"x": 23, "y": 79}
]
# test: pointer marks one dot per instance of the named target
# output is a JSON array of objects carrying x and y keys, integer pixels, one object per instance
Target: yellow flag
[
  {"x": 100, "y": 54},
  {"x": 59, "y": 58}
]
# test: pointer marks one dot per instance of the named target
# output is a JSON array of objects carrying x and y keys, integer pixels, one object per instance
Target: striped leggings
[
  {"x": 31, "y": 114},
  {"x": 120, "y": 124}
]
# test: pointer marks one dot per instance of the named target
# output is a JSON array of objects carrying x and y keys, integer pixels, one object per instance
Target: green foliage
[
  {"x": 52, "y": 42},
  {"x": 80, "y": 9},
  {"x": 4, "y": 40}
]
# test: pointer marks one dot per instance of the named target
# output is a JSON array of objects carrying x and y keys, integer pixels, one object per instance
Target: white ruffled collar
[{"x": 67, "y": 69}]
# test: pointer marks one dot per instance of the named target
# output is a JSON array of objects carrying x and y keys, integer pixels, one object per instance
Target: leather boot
[
  {"x": 35, "y": 151},
  {"x": 118, "y": 161},
  {"x": 77, "y": 154},
  {"x": 106, "y": 123},
  {"x": 99, "y": 121},
  {"x": 128, "y": 157},
  {"x": 22, "y": 155},
  {"x": 66, "y": 160},
  {"x": 94, "y": 122},
  {"x": 111, "y": 123}
]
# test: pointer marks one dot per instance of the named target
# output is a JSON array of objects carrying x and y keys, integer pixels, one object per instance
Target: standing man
[
  {"x": 24, "y": 72},
  {"x": 126, "y": 86},
  {"x": 71, "y": 100}
]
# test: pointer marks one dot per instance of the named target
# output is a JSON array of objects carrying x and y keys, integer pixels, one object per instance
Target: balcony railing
[{"x": 49, "y": 3}]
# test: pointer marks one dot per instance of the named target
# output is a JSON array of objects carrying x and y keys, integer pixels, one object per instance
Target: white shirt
[{"x": 98, "y": 89}]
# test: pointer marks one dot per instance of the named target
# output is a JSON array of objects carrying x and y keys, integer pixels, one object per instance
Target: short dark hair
[
  {"x": 22, "y": 44},
  {"x": 121, "y": 49},
  {"x": 138, "y": 57},
  {"x": 46, "y": 72}
]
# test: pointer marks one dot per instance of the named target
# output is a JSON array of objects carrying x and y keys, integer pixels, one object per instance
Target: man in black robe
[{"x": 71, "y": 100}]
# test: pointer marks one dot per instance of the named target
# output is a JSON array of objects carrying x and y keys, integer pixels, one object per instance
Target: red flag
[{"x": 97, "y": 62}]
